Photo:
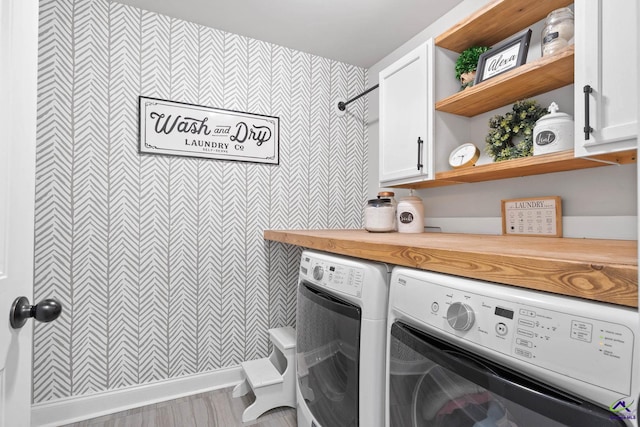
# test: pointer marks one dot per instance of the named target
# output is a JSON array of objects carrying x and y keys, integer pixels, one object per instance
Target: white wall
[{"x": 597, "y": 196}]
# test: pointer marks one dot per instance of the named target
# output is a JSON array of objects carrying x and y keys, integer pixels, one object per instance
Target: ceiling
[{"x": 358, "y": 32}]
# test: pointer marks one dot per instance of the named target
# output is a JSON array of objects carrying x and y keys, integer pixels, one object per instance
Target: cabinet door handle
[
  {"x": 419, "y": 152},
  {"x": 587, "y": 129}
]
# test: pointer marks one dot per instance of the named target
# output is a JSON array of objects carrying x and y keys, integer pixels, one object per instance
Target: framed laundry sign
[
  {"x": 179, "y": 129},
  {"x": 532, "y": 216}
]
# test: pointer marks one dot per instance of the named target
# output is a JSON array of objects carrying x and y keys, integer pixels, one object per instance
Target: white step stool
[{"x": 272, "y": 379}]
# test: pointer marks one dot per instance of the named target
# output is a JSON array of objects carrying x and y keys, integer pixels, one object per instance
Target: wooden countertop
[{"x": 601, "y": 270}]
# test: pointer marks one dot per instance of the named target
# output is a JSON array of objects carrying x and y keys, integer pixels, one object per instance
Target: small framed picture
[{"x": 502, "y": 58}]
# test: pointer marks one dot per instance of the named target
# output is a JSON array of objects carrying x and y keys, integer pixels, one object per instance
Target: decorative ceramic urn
[{"x": 553, "y": 132}]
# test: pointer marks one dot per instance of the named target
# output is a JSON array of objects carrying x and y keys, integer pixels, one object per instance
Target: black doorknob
[{"x": 45, "y": 311}]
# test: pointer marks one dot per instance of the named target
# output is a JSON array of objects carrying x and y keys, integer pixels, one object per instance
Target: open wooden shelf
[
  {"x": 545, "y": 74},
  {"x": 495, "y": 22},
  {"x": 526, "y": 166}
]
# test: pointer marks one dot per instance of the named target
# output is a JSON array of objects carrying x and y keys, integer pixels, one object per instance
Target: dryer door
[
  {"x": 328, "y": 356},
  {"x": 432, "y": 383}
]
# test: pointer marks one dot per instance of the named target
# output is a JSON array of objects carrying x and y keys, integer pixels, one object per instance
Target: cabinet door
[
  {"x": 606, "y": 60},
  {"x": 406, "y": 118}
]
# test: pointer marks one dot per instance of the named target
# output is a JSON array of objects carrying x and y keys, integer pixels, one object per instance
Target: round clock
[{"x": 465, "y": 155}]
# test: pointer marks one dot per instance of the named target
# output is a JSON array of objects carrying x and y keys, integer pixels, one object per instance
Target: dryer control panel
[
  {"x": 587, "y": 341},
  {"x": 333, "y": 275}
]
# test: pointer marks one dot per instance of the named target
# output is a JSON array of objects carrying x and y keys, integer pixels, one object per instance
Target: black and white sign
[
  {"x": 503, "y": 58},
  {"x": 178, "y": 129}
]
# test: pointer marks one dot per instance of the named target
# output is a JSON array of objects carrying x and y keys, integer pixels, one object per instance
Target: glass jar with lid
[
  {"x": 390, "y": 195},
  {"x": 557, "y": 32},
  {"x": 379, "y": 215}
]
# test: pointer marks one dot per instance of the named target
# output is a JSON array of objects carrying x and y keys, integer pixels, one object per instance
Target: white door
[
  {"x": 18, "y": 87},
  {"x": 406, "y": 118},
  {"x": 606, "y": 35}
]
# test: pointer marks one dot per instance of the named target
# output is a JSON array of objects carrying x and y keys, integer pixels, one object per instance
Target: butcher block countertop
[{"x": 601, "y": 270}]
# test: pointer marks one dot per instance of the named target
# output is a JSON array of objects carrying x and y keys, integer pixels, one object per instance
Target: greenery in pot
[
  {"x": 511, "y": 135},
  {"x": 467, "y": 63}
]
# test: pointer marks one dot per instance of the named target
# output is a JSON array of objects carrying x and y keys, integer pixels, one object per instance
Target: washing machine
[
  {"x": 340, "y": 341},
  {"x": 468, "y": 353}
]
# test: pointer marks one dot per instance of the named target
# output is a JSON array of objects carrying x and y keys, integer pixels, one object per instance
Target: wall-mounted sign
[
  {"x": 532, "y": 216},
  {"x": 178, "y": 129}
]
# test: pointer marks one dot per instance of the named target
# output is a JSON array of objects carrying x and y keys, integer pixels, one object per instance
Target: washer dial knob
[
  {"x": 318, "y": 272},
  {"x": 460, "y": 316}
]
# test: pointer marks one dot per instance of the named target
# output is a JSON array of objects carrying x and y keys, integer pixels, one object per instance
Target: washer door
[
  {"x": 434, "y": 384},
  {"x": 328, "y": 356}
]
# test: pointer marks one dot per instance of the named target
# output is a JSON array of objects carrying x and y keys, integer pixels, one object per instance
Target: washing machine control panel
[
  {"x": 584, "y": 340},
  {"x": 344, "y": 279}
]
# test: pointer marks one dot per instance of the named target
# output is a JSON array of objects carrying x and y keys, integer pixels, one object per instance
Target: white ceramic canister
[
  {"x": 410, "y": 214},
  {"x": 379, "y": 216},
  {"x": 553, "y": 132}
]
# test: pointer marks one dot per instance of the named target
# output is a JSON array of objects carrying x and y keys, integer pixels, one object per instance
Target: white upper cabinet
[
  {"x": 606, "y": 76},
  {"x": 406, "y": 118}
]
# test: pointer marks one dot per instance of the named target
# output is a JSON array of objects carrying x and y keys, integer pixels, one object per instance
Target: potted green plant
[{"x": 467, "y": 64}]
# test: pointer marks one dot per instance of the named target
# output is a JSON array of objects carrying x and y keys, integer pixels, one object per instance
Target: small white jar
[
  {"x": 379, "y": 216},
  {"x": 410, "y": 215},
  {"x": 553, "y": 132}
]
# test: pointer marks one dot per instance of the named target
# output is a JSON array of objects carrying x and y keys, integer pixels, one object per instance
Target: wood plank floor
[{"x": 212, "y": 409}]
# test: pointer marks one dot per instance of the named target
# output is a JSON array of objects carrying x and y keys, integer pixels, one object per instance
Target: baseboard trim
[{"x": 74, "y": 409}]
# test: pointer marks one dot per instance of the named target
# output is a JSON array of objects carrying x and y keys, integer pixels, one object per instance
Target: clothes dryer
[{"x": 341, "y": 337}]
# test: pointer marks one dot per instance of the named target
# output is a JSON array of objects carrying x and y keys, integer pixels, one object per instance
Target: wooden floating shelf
[
  {"x": 542, "y": 75},
  {"x": 527, "y": 166},
  {"x": 489, "y": 26}
]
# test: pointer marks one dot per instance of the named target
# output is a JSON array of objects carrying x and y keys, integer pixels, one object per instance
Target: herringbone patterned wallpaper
[{"x": 159, "y": 262}]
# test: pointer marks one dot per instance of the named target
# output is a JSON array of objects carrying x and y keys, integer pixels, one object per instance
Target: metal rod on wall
[{"x": 342, "y": 105}]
